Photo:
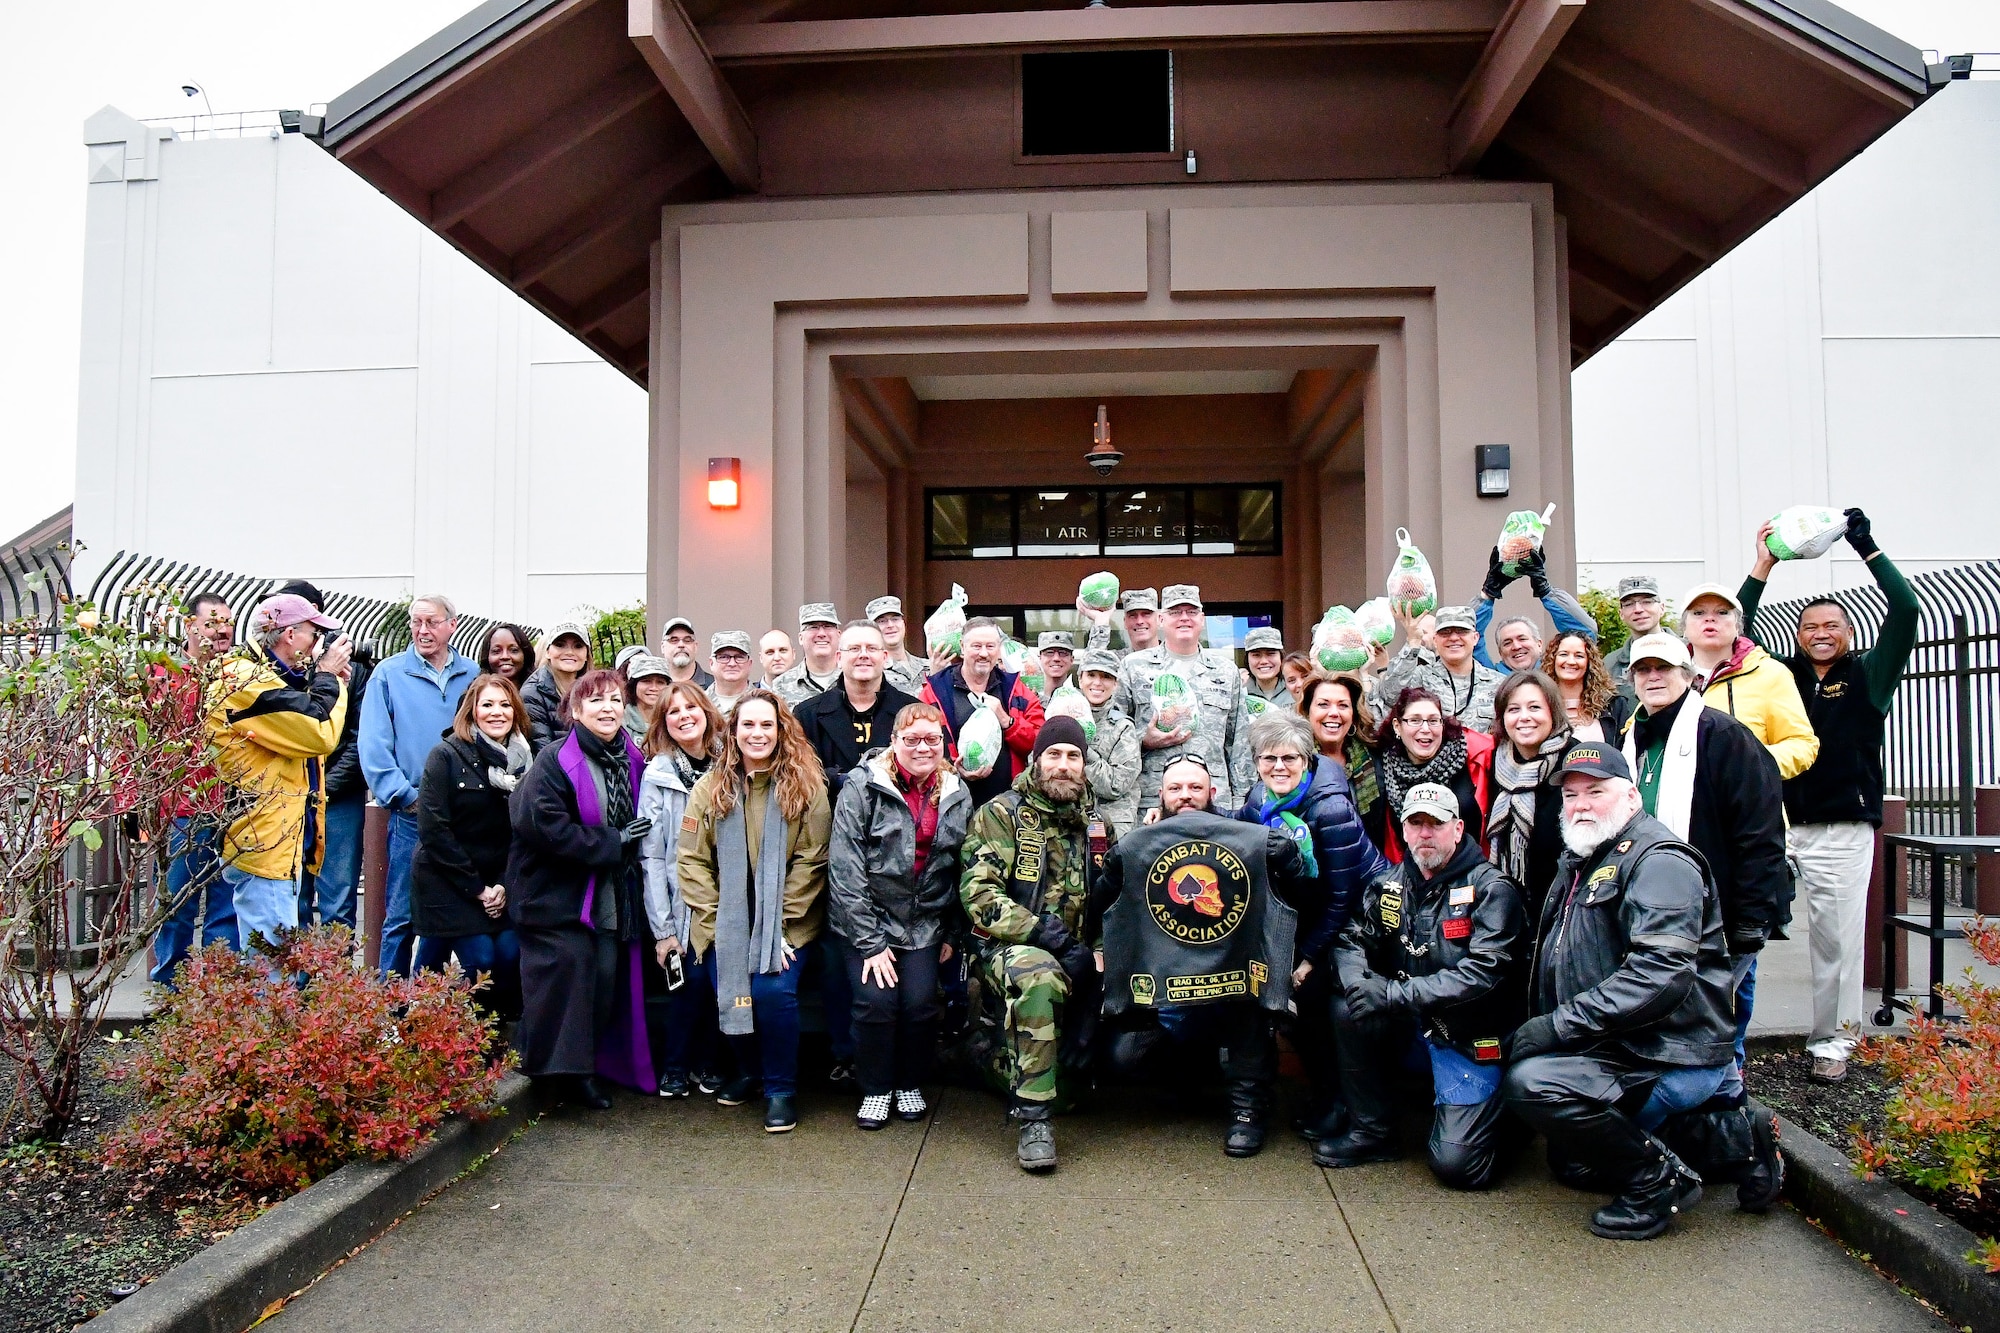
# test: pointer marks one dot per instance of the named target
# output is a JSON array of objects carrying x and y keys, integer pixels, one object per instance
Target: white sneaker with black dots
[{"x": 874, "y": 1112}]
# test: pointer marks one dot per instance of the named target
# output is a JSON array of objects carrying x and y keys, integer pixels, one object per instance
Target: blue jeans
[
  {"x": 836, "y": 993},
  {"x": 192, "y": 845},
  {"x": 1746, "y": 998},
  {"x": 1680, "y": 1090},
  {"x": 396, "y": 894},
  {"x": 497, "y": 955},
  {"x": 772, "y": 1051},
  {"x": 1457, "y": 1081},
  {"x": 263, "y": 906},
  {"x": 688, "y": 1043},
  {"x": 332, "y": 889}
]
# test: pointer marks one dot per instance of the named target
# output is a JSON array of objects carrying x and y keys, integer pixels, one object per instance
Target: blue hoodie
[{"x": 402, "y": 716}]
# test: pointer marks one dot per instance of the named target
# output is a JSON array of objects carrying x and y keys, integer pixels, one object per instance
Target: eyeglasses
[
  {"x": 428, "y": 622},
  {"x": 920, "y": 742},
  {"x": 1423, "y": 723},
  {"x": 1281, "y": 761}
]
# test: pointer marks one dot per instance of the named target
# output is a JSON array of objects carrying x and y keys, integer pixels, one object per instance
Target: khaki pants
[{"x": 1834, "y": 861}]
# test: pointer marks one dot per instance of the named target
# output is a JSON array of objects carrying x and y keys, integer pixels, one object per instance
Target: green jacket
[{"x": 1882, "y": 664}]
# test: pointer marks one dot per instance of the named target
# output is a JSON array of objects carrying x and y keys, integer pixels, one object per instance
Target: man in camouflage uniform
[
  {"x": 904, "y": 670},
  {"x": 1112, "y": 767},
  {"x": 1463, "y": 684},
  {"x": 1216, "y": 732},
  {"x": 818, "y": 667},
  {"x": 1140, "y": 619},
  {"x": 1057, "y": 650},
  {"x": 1029, "y": 855}
]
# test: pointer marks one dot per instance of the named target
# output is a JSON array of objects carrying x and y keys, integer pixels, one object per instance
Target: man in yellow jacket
[
  {"x": 275, "y": 714},
  {"x": 1736, "y": 676}
]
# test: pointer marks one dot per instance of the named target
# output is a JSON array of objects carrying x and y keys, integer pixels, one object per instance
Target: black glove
[
  {"x": 1535, "y": 1037},
  {"x": 1052, "y": 936},
  {"x": 1536, "y": 569},
  {"x": 1368, "y": 1000},
  {"x": 634, "y": 831},
  {"x": 1858, "y": 534},
  {"x": 1746, "y": 940},
  {"x": 1497, "y": 578}
]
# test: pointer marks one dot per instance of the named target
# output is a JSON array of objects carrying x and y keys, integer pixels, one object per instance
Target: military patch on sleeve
[
  {"x": 1458, "y": 927},
  {"x": 1461, "y": 894},
  {"x": 690, "y": 824}
]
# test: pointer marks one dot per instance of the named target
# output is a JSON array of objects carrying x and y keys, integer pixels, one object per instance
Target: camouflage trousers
[{"x": 1017, "y": 1008}]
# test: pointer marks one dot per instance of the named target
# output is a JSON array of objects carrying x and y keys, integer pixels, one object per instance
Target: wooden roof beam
[
  {"x": 673, "y": 50},
  {"x": 1639, "y": 88},
  {"x": 601, "y": 306},
  {"x": 606, "y": 214},
  {"x": 561, "y": 132},
  {"x": 1527, "y": 36},
  {"x": 1627, "y": 289},
  {"x": 1575, "y": 169},
  {"x": 945, "y": 34}
]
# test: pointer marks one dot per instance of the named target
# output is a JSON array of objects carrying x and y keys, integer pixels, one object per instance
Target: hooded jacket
[
  {"x": 1630, "y": 952},
  {"x": 663, "y": 798},
  {"x": 1758, "y": 691},
  {"x": 875, "y": 899},
  {"x": 1347, "y": 858},
  {"x": 1452, "y": 945},
  {"x": 544, "y": 704},
  {"x": 272, "y": 735}
]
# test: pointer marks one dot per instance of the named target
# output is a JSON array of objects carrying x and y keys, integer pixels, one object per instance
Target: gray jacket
[
  {"x": 663, "y": 799},
  {"x": 1618, "y": 662},
  {"x": 1470, "y": 702},
  {"x": 1222, "y": 742},
  {"x": 1112, "y": 768},
  {"x": 874, "y": 898}
]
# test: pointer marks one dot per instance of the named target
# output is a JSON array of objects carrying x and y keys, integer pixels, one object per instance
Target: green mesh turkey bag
[
  {"x": 1805, "y": 532},
  {"x": 1174, "y": 703},
  {"x": 1099, "y": 592},
  {"x": 979, "y": 741},
  {"x": 1521, "y": 537},
  {"x": 1338, "y": 641},
  {"x": 1411, "y": 583},
  {"x": 946, "y": 624},
  {"x": 1377, "y": 621},
  {"x": 1068, "y": 701}
]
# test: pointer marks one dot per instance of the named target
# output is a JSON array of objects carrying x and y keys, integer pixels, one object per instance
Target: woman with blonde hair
[
  {"x": 1594, "y": 709},
  {"x": 682, "y": 745},
  {"x": 752, "y": 866}
]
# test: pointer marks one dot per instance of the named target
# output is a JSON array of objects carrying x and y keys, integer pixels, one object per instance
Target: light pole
[{"x": 190, "y": 89}]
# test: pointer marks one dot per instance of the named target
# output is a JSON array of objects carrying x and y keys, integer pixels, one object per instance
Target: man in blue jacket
[{"x": 410, "y": 702}]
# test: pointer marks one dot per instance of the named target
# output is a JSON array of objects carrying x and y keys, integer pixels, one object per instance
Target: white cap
[
  {"x": 1661, "y": 647},
  {"x": 1711, "y": 590}
]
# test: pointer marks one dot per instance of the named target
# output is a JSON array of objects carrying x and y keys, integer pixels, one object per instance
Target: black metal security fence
[
  {"x": 132, "y": 588},
  {"x": 1940, "y": 746},
  {"x": 34, "y": 581}
]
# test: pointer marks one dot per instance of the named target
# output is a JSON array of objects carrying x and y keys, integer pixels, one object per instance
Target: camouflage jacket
[
  {"x": 1471, "y": 704},
  {"x": 1255, "y": 700},
  {"x": 797, "y": 684},
  {"x": 1026, "y": 858},
  {"x": 1222, "y": 741},
  {"x": 907, "y": 675},
  {"x": 1112, "y": 769},
  {"x": 1618, "y": 664}
]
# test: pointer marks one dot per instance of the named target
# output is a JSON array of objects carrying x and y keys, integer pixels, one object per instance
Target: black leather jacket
[
  {"x": 1451, "y": 944},
  {"x": 1631, "y": 952}
]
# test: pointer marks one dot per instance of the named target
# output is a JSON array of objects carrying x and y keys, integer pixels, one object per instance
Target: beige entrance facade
[{"x": 1407, "y": 324}]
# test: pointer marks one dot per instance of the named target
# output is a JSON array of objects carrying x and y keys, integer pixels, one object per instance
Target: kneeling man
[
  {"x": 1197, "y": 943},
  {"x": 1430, "y": 967},
  {"x": 1633, "y": 1021}
]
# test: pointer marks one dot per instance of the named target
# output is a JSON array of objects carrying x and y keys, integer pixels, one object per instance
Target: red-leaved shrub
[
  {"x": 1944, "y": 1120},
  {"x": 258, "y": 1076}
]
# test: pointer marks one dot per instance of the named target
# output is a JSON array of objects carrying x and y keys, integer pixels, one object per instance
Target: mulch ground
[
  {"x": 1833, "y": 1112},
  {"x": 72, "y": 1229}
]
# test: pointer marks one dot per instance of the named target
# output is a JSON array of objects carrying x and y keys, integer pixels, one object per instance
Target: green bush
[
  {"x": 1602, "y": 605},
  {"x": 616, "y": 629}
]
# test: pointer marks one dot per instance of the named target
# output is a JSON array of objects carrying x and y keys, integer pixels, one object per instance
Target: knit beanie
[{"x": 1060, "y": 730}]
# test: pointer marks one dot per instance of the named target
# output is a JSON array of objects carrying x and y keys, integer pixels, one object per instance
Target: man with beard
[
  {"x": 1193, "y": 955},
  {"x": 677, "y": 645},
  {"x": 1630, "y": 1038},
  {"x": 1029, "y": 856},
  {"x": 1429, "y": 968}
]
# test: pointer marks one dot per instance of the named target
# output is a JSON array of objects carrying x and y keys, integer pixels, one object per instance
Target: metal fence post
[{"x": 1961, "y": 670}]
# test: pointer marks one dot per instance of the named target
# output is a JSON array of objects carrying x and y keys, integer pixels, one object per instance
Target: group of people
[{"x": 1541, "y": 876}]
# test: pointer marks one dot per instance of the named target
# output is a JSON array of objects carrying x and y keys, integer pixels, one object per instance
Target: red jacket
[{"x": 946, "y": 692}]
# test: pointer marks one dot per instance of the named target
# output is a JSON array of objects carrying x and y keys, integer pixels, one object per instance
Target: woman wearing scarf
[
  {"x": 892, "y": 874},
  {"x": 577, "y": 903},
  {"x": 1524, "y": 828},
  {"x": 752, "y": 866},
  {"x": 1307, "y": 796},
  {"x": 458, "y": 898},
  {"x": 685, "y": 739},
  {"x": 1418, "y": 743}
]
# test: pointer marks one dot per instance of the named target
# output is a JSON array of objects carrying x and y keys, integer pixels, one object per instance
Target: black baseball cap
[{"x": 1592, "y": 760}]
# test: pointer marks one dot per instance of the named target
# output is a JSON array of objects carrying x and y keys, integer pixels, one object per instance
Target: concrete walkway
[{"x": 663, "y": 1215}]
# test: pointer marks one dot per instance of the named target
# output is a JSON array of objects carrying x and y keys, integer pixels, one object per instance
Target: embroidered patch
[
  {"x": 1208, "y": 986},
  {"x": 1259, "y": 974},
  {"x": 1602, "y": 873},
  {"x": 1142, "y": 988},
  {"x": 1460, "y": 895},
  {"x": 690, "y": 824},
  {"x": 743, "y": 1002},
  {"x": 1623, "y": 847},
  {"x": 1392, "y": 910},
  {"x": 1486, "y": 1049},
  {"x": 1198, "y": 892},
  {"x": 1457, "y": 927}
]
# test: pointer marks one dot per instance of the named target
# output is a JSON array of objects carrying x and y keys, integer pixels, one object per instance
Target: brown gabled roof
[{"x": 541, "y": 137}]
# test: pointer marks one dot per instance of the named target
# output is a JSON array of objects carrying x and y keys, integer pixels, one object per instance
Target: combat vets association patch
[
  {"x": 1142, "y": 988},
  {"x": 1198, "y": 892},
  {"x": 1392, "y": 910}
]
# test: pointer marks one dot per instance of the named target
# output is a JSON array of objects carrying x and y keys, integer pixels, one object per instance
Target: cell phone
[{"x": 676, "y": 971}]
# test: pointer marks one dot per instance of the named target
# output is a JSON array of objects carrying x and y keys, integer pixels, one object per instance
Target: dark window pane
[
  {"x": 1214, "y": 520},
  {"x": 1146, "y": 520},
  {"x": 1256, "y": 521},
  {"x": 1059, "y": 522},
  {"x": 972, "y": 524},
  {"x": 1097, "y": 102}
]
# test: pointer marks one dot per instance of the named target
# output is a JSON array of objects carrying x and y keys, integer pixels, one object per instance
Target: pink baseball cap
[{"x": 288, "y": 609}]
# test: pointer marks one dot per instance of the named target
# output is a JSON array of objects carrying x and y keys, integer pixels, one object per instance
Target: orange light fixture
[{"x": 725, "y": 483}]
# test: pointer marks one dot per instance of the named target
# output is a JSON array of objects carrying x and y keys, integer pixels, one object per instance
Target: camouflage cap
[
  {"x": 645, "y": 664},
  {"x": 1056, "y": 638},
  {"x": 626, "y": 654},
  {"x": 883, "y": 606},
  {"x": 1180, "y": 594},
  {"x": 1140, "y": 599},
  {"x": 574, "y": 628},
  {"x": 724, "y": 640},
  {"x": 1638, "y": 585},
  {"x": 1263, "y": 637},
  {"x": 1455, "y": 617},
  {"x": 818, "y": 613},
  {"x": 1098, "y": 660}
]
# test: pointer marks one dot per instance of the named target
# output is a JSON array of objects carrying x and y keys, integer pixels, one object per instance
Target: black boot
[
  {"x": 1316, "y": 1124},
  {"x": 1036, "y": 1149},
  {"x": 1646, "y": 1207},
  {"x": 592, "y": 1094},
  {"x": 1763, "y": 1180},
  {"x": 1357, "y": 1147},
  {"x": 1246, "y": 1135}
]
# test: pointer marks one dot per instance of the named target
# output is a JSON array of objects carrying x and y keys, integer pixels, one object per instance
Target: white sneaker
[
  {"x": 910, "y": 1104},
  {"x": 874, "y": 1112}
]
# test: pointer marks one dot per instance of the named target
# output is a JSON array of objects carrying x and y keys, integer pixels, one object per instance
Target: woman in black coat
[
  {"x": 1531, "y": 735},
  {"x": 458, "y": 894},
  {"x": 578, "y": 903}
]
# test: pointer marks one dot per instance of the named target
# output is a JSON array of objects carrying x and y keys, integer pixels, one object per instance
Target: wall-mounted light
[
  {"x": 1494, "y": 464},
  {"x": 725, "y": 483},
  {"x": 1102, "y": 456}
]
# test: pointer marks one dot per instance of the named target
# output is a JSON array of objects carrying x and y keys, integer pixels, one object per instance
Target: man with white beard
[
  {"x": 677, "y": 644},
  {"x": 1631, "y": 1002}
]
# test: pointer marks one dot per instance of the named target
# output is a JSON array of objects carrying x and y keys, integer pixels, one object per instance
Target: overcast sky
[{"x": 61, "y": 62}]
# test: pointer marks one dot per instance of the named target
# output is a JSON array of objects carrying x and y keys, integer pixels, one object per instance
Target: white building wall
[
  {"x": 1847, "y": 354},
  {"x": 283, "y": 374}
]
